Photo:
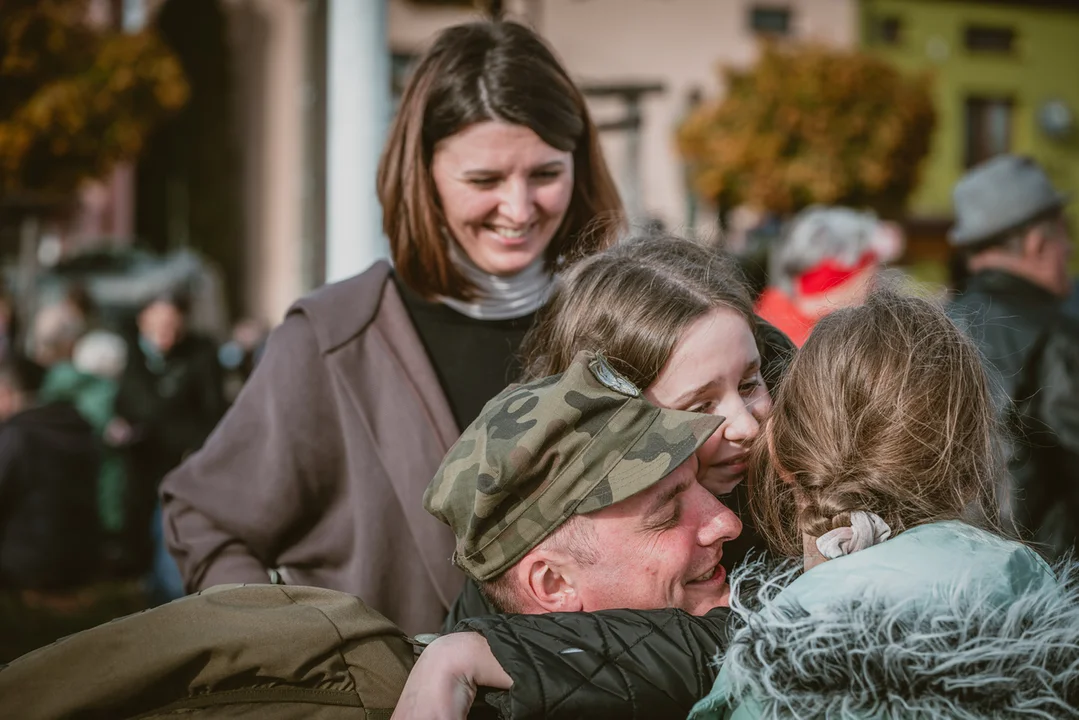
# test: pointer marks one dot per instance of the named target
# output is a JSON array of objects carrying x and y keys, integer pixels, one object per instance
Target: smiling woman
[
  {"x": 493, "y": 125},
  {"x": 715, "y": 368},
  {"x": 674, "y": 317},
  {"x": 504, "y": 191},
  {"x": 491, "y": 174}
]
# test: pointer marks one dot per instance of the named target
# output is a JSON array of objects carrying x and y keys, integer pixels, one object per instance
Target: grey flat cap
[{"x": 1000, "y": 195}]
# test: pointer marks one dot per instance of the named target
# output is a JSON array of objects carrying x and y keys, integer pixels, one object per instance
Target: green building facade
[{"x": 1005, "y": 79}]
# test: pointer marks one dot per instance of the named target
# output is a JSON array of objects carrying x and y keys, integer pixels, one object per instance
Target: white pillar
[
  {"x": 133, "y": 15},
  {"x": 357, "y": 115}
]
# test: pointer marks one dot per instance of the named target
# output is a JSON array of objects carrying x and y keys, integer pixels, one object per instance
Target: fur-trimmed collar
[{"x": 954, "y": 651}]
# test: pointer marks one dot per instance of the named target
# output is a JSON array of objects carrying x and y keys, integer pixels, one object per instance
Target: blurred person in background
[
  {"x": 750, "y": 234},
  {"x": 62, "y": 333},
  {"x": 826, "y": 260},
  {"x": 49, "y": 529},
  {"x": 88, "y": 380},
  {"x": 491, "y": 174},
  {"x": 78, "y": 298},
  {"x": 56, "y": 328},
  {"x": 9, "y": 326},
  {"x": 239, "y": 355},
  {"x": 169, "y": 399},
  {"x": 1071, "y": 306},
  {"x": 1013, "y": 236}
]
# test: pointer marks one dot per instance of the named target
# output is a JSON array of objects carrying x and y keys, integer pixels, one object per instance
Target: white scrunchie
[{"x": 866, "y": 529}]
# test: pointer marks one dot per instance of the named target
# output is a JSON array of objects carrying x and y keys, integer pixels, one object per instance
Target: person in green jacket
[{"x": 88, "y": 380}]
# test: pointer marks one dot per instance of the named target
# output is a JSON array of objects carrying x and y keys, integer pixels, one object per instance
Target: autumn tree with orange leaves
[
  {"x": 75, "y": 99},
  {"x": 809, "y": 125}
]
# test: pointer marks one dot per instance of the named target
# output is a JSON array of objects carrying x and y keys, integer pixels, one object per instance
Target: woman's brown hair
[
  {"x": 474, "y": 73},
  {"x": 886, "y": 408},
  {"x": 633, "y": 302}
]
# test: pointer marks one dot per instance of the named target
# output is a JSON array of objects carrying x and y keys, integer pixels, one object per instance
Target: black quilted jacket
[
  {"x": 608, "y": 664},
  {"x": 1032, "y": 353}
]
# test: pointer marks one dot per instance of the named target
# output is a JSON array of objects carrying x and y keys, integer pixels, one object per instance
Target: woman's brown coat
[{"x": 319, "y": 468}]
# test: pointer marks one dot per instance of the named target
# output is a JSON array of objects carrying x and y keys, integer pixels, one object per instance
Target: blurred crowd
[{"x": 91, "y": 420}]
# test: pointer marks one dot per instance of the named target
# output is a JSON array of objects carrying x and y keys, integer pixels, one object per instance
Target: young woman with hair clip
[
  {"x": 673, "y": 317},
  {"x": 877, "y": 467},
  {"x": 492, "y": 173}
]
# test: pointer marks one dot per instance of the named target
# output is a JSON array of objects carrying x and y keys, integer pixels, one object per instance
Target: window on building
[
  {"x": 989, "y": 39},
  {"x": 770, "y": 20},
  {"x": 988, "y": 128},
  {"x": 888, "y": 30}
]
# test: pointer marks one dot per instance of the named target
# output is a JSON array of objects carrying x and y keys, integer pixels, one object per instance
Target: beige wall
[
  {"x": 412, "y": 27},
  {"x": 679, "y": 43},
  {"x": 269, "y": 44}
]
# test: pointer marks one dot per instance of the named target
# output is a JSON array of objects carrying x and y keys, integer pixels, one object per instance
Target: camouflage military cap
[{"x": 545, "y": 450}]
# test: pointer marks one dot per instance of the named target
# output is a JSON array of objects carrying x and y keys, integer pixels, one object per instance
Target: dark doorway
[{"x": 189, "y": 190}]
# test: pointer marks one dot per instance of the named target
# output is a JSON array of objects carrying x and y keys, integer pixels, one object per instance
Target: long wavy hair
[
  {"x": 633, "y": 302},
  {"x": 887, "y": 409}
]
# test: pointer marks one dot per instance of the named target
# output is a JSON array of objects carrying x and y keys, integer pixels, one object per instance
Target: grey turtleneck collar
[{"x": 497, "y": 297}]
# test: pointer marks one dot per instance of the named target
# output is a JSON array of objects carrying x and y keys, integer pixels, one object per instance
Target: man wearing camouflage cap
[{"x": 575, "y": 493}]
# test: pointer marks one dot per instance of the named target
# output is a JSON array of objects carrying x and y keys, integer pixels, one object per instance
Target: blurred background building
[
  {"x": 266, "y": 173},
  {"x": 1002, "y": 83}
]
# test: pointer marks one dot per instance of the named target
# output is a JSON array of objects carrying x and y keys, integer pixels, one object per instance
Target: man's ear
[
  {"x": 1034, "y": 243},
  {"x": 546, "y": 577}
]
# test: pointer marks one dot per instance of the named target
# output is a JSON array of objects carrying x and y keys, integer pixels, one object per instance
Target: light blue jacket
[{"x": 944, "y": 620}]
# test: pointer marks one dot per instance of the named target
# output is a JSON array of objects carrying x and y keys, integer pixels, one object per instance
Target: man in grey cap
[{"x": 1013, "y": 235}]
